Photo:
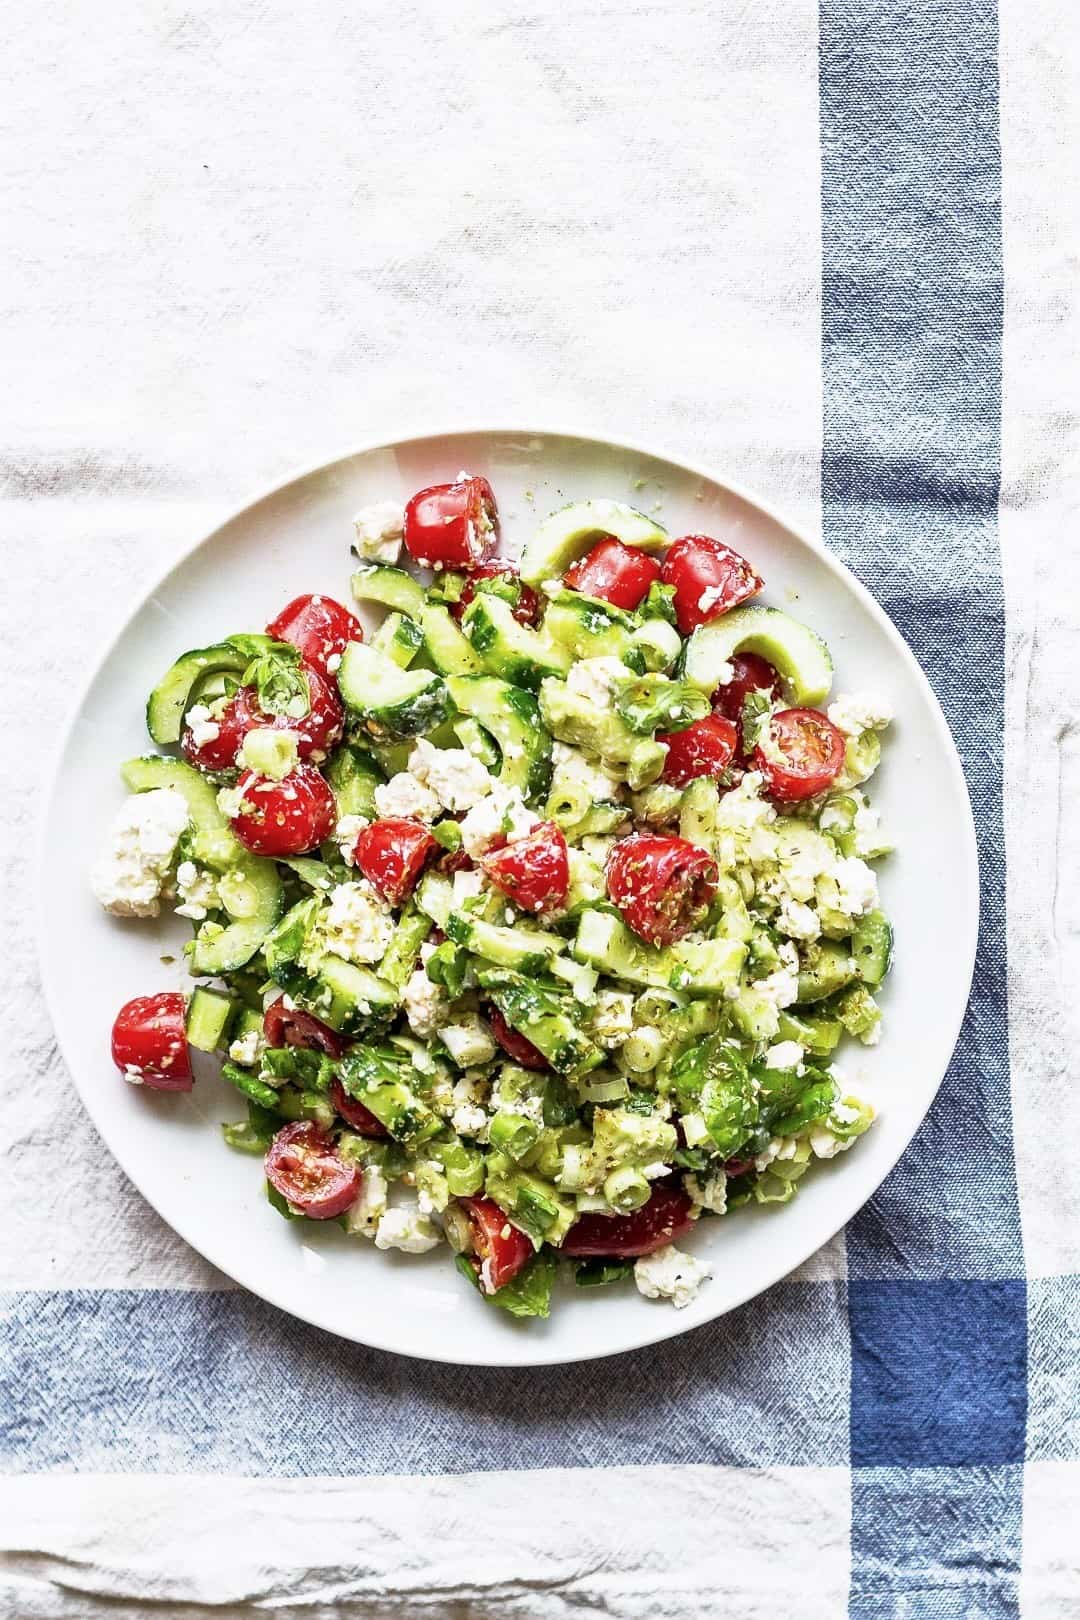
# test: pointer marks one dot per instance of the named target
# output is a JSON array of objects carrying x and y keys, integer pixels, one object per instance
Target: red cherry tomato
[
  {"x": 614, "y": 572},
  {"x": 319, "y": 626},
  {"x": 704, "y": 749},
  {"x": 149, "y": 1042},
  {"x": 303, "y": 1165},
  {"x": 801, "y": 754},
  {"x": 514, "y": 1045},
  {"x": 709, "y": 579},
  {"x": 750, "y": 674},
  {"x": 289, "y": 1026},
  {"x": 452, "y": 525},
  {"x": 391, "y": 854},
  {"x": 527, "y": 610},
  {"x": 287, "y": 817},
  {"x": 534, "y": 871},
  {"x": 219, "y": 754},
  {"x": 316, "y": 732},
  {"x": 354, "y": 1113},
  {"x": 661, "y": 885},
  {"x": 662, "y": 1220},
  {"x": 500, "y": 1249}
]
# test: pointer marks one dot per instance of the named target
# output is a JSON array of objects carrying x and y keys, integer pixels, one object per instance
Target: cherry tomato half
[
  {"x": 749, "y": 674},
  {"x": 303, "y": 1165},
  {"x": 662, "y": 886},
  {"x": 287, "y": 817},
  {"x": 709, "y": 579},
  {"x": 500, "y": 1250},
  {"x": 615, "y": 573},
  {"x": 704, "y": 749},
  {"x": 319, "y": 626},
  {"x": 452, "y": 525},
  {"x": 801, "y": 754},
  {"x": 149, "y": 1042},
  {"x": 534, "y": 871},
  {"x": 391, "y": 854},
  {"x": 514, "y": 1045},
  {"x": 662, "y": 1220},
  {"x": 290, "y": 1026},
  {"x": 316, "y": 732},
  {"x": 354, "y": 1113},
  {"x": 527, "y": 610}
]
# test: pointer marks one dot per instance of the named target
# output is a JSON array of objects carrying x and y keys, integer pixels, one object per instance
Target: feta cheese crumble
[
  {"x": 246, "y": 1049},
  {"x": 405, "y": 1228},
  {"x": 503, "y": 814},
  {"x": 379, "y": 531},
  {"x": 595, "y": 678},
  {"x": 457, "y": 778},
  {"x": 198, "y": 891},
  {"x": 358, "y": 924},
  {"x": 129, "y": 878},
  {"x": 346, "y": 832},
  {"x": 425, "y": 1003},
  {"x": 670, "y": 1274},
  {"x": 202, "y": 725},
  {"x": 784, "y": 1055},
  {"x": 856, "y": 712},
  {"x": 403, "y": 795}
]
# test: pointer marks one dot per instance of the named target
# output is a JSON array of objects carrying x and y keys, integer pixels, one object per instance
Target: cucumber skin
[
  {"x": 568, "y": 533},
  {"x": 807, "y": 670},
  {"x": 167, "y": 703},
  {"x": 216, "y": 846}
]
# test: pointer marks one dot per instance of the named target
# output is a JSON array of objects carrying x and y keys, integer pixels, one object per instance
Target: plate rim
[{"x": 663, "y": 1329}]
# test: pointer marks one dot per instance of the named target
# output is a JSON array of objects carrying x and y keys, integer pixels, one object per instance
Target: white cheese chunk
[
  {"x": 670, "y": 1274},
  {"x": 379, "y": 530},
  {"x": 129, "y": 878}
]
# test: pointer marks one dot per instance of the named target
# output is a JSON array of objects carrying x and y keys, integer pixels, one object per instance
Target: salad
[{"x": 529, "y": 923}]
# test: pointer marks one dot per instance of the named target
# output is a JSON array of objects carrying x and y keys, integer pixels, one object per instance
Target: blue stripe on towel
[{"x": 911, "y": 341}]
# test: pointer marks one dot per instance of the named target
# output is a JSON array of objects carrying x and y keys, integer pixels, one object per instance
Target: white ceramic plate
[{"x": 297, "y": 539}]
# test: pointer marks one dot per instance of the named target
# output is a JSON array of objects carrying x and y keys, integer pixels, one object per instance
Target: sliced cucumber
[
  {"x": 510, "y": 649},
  {"x": 208, "y": 1018},
  {"x": 528, "y": 950},
  {"x": 403, "y": 951},
  {"x": 253, "y": 895},
  {"x": 343, "y": 995},
  {"x": 475, "y": 740},
  {"x": 574, "y": 718},
  {"x": 588, "y": 628},
  {"x": 354, "y": 776},
  {"x": 711, "y": 965},
  {"x": 390, "y": 587},
  {"x": 604, "y": 942},
  {"x": 447, "y": 648},
  {"x": 387, "y": 700},
  {"x": 824, "y": 968},
  {"x": 539, "y": 1016},
  {"x": 172, "y": 696},
  {"x": 800, "y": 655},
  {"x": 399, "y": 638},
  {"x": 513, "y": 719},
  {"x": 872, "y": 946},
  {"x": 570, "y": 532}
]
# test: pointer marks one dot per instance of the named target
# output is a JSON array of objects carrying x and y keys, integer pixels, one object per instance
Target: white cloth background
[{"x": 242, "y": 237}]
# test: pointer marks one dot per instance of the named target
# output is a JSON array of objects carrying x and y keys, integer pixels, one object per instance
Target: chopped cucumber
[
  {"x": 824, "y": 968},
  {"x": 539, "y": 1016},
  {"x": 386, "y": 700},
  {"x": 589, "y": 628},
  {"x": 208, "y": 1016},
  {"x": 399, "y": 638},
  {"x": 510, "y": 649},
  {"x": 871, "y": 946},
  {"x": 354, "y": 776},
  {"x": 175, "y": 692},
  {"x": 447, "y": 648},
  {"x": 390, "y": 587},
  {"x": 527, "y": 949},
  {"x": 798, "y": 653},
  {"x": 569, "y": 533},
  {"x": 513, "y": 719}
]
